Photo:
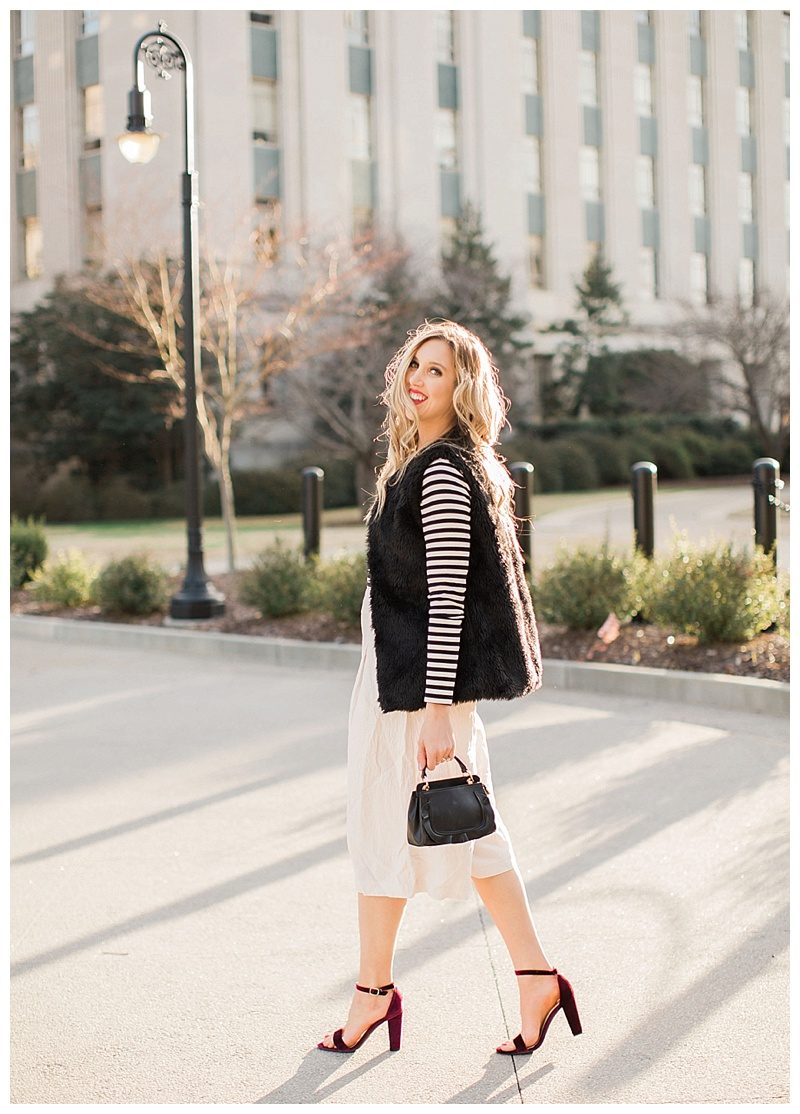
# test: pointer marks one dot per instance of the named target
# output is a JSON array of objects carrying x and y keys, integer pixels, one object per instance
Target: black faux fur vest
[{"x": 499, "y": 656}]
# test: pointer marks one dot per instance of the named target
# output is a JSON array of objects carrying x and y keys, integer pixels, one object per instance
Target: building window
[
  {"x": 93, "y": 235},
  {"x": 24, "y": 28},
  {"x": 32, "y": 247},
  {"x": 646, "y": 182},
  {"x": 698, "y": 278},
  {"x": 648, "y": 275},
  {"x": 695, "y": 98},
  {"x": 445, "y": 38},
  {"x": 530, "y": 65},
  {"x": 696, "y": 24},
  {"x": 697, "y": 190},
  {"x": 588, "y": 77},
  {"x": 90, "y": 23},
  {"x": 590, "y": 173},
  {"x": 360, "y": 127},
  {"x": 267, "y": 18},
  {"x": 744, "y": 115},
  {"x": 447, "y": 229},
  {"x": 93, "y": 125},
  {"x": 785, "y": 36},
  {"x": 536, "y": 261},
  {"x": 357, "y": 25},
  {"x": 265, "y": 111},
  {"x": 747, "y": 281},
  {"x": 746, "y": 198},
  {"x": 28, "y": 117},
  {"x": 532, "y": 164},
  {"x": 742, "y": 29},
  {"x": 643, "y": 89},
  {"x": 446, "y": 139}
]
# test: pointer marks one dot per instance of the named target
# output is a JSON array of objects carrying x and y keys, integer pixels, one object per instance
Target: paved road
[
  {"x": 184, "y": 921},
  {"x": 721, "y": 513}
]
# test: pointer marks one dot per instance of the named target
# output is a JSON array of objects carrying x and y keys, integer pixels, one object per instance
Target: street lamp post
[{"x": 197, "y": 599}]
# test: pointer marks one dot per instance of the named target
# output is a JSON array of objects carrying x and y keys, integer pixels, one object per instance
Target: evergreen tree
[
  {"x": 474, "y": 292},
  {"x": 74, "y": 392},
  {"x": 599, "y": 297},
  {"x": 588, "y": 367}
]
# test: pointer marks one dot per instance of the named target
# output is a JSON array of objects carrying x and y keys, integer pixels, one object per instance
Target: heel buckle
[{"x": 376, "y": 989}]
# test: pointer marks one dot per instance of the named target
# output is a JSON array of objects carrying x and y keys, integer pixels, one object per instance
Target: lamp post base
[{"x": 197, "y": 601}]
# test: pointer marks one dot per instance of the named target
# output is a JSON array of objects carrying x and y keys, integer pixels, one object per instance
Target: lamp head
[{"x": 138, "y": 143}]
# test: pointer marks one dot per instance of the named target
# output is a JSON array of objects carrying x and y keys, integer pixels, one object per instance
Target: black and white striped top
[{"x": 445, "y": 506}]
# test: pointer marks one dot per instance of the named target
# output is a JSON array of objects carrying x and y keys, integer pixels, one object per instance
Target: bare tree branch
[{"x": 756, "y": 340}]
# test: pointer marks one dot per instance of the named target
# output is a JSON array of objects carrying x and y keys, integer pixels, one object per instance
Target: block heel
[
  {"x": 566, "y": 1002},
  {"x": 393, "y": 1019},
  {"x": 395, "y": 1032},
  {"x": 568, "y": 1005}
]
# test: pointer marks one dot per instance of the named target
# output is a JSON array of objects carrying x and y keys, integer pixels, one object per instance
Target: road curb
[{"x": 718, "y": 690}]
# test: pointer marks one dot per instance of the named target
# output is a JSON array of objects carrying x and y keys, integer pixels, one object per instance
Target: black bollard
[
  {"x": 766, "y": 482},
  {"x": 643, "y": 486},
  {"x": 312, "y": 510},
  {"x": 522, "y": 474}
]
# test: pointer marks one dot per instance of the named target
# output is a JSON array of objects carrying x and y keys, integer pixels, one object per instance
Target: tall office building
[{"x": 660, "y": 137}]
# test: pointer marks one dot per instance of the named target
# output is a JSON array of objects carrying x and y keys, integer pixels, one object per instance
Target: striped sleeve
[{"x": 445, "y": 506}]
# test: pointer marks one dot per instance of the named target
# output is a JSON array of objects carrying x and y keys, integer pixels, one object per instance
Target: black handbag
[{"x": 449, "y": 810}]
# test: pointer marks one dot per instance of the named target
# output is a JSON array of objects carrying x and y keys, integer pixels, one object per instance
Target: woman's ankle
[{"x": 375, "y": 983}]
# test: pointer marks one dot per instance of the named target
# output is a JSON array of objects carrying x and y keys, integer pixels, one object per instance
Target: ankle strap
[
  {"x": 376, "y": 989},
  {"x": 553, "y": 972}
]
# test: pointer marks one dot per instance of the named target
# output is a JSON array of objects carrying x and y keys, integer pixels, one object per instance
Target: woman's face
[{"x": 432, "y": 373}]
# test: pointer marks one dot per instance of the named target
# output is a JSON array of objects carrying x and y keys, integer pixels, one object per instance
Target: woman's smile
[{"x": 430, "y": 385}]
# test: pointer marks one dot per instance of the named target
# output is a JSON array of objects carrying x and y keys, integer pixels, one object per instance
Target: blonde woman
[{"x": 446, "y": 621}]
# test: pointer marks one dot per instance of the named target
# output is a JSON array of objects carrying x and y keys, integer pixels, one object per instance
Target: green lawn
[
  {"x": 343, "y": 530},
  {"x": 165, "y": 539}
]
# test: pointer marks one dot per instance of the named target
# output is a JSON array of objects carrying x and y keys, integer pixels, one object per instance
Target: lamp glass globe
[{"x": 138, "y": 147}]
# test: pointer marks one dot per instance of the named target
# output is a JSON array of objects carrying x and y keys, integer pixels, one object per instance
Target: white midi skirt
[{"x": 381, "y": 775}]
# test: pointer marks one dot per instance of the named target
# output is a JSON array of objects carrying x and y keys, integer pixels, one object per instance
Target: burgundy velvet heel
[
  {"x": 566, "y": 1002},
  {"x": 395, "y": 1030},
  {"x": 393, "y": 1018}
]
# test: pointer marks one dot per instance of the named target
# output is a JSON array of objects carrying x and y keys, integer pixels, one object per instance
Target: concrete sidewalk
[{"x": 184, "y": 919}]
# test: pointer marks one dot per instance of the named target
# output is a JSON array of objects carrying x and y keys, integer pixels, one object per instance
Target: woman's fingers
[{"x": 430, "y": 757}]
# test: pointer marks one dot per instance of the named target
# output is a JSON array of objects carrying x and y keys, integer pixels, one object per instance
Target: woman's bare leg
[
  {"x": 378, "y": 923},
  {"x": 505, "y": 897}
]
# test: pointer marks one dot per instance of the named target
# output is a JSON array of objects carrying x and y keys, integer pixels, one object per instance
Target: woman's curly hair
[{"x": 478, "y": 400}]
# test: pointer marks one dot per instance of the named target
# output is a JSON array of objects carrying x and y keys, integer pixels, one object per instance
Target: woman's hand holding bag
[{"x": 437, "y": 742}]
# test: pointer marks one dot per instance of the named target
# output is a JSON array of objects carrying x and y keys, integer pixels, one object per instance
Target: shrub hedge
[
  {"x": 339, "y": 586},
  {"x": 28, "y": 549},
  {"x": 583, "y": 584},
  {"x": 132, "y": 585},
  {"x": 681, "y": 449},
  {"x": 66, "y": 580},
  {"x": 280, "y": 581},
  {"x": 714, "y": 592},
  {"x": 568, "y": 455}
]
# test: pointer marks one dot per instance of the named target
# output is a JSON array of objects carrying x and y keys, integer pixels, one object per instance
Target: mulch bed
[{"x": 767, "y": 655}]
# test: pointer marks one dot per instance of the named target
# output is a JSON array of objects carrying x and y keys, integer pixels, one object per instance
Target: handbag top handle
[{"x": 425, "y": 771}]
